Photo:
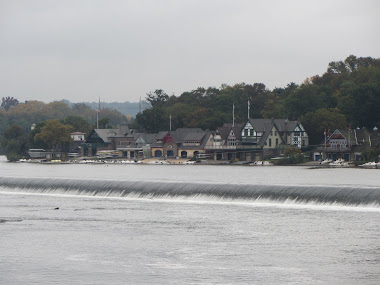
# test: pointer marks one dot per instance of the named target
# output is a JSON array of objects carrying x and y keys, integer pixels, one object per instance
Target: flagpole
[
  {"x": 233, "y": 114},
  {"x": 97, "y": 115},
  {"x": 248, "y": 108}
]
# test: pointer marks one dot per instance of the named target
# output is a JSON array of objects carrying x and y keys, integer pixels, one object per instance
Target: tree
[
  {"x": 104, "y": 123},
  {"x": 30, "y": 138},
  {"x": 79, "y": 124},
  {"x": 8, "y": 102},
  {"x": 320, "y": 120},
  {"x": 55, "y": 135},
  {"x": 152, "y": 120},
  {"x": 14, "y": 142},
  {"x": 158, "y": 98},
  {"x": 114, "y": 117}
]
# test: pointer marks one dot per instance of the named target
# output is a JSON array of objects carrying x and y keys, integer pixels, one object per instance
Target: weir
[{"x": 148, "y": 189}]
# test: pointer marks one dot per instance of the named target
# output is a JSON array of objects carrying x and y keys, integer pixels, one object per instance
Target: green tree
[
  {"x": 30, "y": 138},
  {"x": 320, "y": 120},
  {"x": 14, "y": 142},
  {"x": 104, "y": 123},
  {"x": 8, "y": 102},
  {"x": 152, "y": 120},
  {"x": 157, "y": 98},
  {"x": 55, "y": 135},
  {"x": 79, "y": 124}
]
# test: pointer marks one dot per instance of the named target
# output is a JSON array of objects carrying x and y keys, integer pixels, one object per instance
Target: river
[{"x": 188, "y": 224}]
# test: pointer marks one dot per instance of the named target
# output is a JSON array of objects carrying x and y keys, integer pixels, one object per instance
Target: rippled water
[{"x": 99, "y": 240}]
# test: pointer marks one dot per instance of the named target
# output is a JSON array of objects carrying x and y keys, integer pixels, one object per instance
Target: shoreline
[{"x": 183, "y": 161}]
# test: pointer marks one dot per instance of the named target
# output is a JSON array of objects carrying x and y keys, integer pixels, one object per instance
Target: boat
[
  {"x": 259, "y": 162},
  {"x": 339, "y": 163},
  {"x": 370, "y": 164},
  {"x": 158, "y": 162},
  {"x": 326, "y": 161}
]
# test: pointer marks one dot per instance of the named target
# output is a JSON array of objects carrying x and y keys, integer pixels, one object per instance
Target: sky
[{"x": 83, "y": 50}]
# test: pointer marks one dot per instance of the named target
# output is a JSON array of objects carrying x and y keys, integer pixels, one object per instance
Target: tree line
[
  {"x": 347, "y": 93},
  {"x": 35, "y": 124}
]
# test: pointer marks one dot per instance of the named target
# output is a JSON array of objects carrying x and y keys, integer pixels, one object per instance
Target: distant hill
[{"x": 126, "y": 108}]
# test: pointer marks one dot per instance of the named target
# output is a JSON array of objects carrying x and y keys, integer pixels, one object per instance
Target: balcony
[
  {"x": 250, "y": 140},
  {"x": 220, "y": 147},
  {"x": 333, "y": 149}
]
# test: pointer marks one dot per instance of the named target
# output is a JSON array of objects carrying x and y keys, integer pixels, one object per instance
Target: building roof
[
  {"x": 226, "y": 129},
  {"x": 267, "y": 127},
  {"x": 180, "y": 135},
  {"x": 283, "y": 125},
  {"x": 77, "y": 133},
  {"x": 148, "y": 138},
  {"x": 360, "y": 139}
]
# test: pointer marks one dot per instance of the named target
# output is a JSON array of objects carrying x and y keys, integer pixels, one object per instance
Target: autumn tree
[{"x": 55, "y": 135}]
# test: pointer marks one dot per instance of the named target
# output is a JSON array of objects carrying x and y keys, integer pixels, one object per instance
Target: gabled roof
[
  {"x": 361, "y": 139},
  {"x": 226, "y": 129},
  {"x": 282, "y": 124},
  {"x": 179, "y": 135},
  {"x": 105, "y": 134},
  {"x": 194, "y": 136},
  {"x": 337, "y": 135},
  {"x": 285, "y": 125},
  {"x": 203, "y": 140},
  {"x": 267, "y": 127},
  {"x": 148, "y": 138}
]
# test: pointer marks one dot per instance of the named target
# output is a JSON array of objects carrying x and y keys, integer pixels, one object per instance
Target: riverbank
[{"x": 184, "y": 161}]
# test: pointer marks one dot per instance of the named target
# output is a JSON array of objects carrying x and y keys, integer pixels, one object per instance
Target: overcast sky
[{"x": 81, "y": 50}]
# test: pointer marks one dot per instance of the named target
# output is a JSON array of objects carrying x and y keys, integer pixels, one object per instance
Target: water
[{"x": 105, "y": 237}]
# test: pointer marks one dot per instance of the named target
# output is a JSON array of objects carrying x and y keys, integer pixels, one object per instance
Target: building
[
  {"x": 222, "y": 144},
  {"x": 183, "y": 143},
  {"x": 347, "y": 144},
  {"x": 120, "y": 142}
]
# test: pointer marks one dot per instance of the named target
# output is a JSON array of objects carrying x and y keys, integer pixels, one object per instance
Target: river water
[{"x": 188, "y": 224}]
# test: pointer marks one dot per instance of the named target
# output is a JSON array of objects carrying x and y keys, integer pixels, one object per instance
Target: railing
[
  {"x": 252, "y": 146},
  {"x": 252, "y": 140},
  {"x": 221, "y": 147},
  {"x": 333, "y": 149}
]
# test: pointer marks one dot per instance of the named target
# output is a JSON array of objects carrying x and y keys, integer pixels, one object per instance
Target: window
[
  {"x": 270, "y": 142},
  {"x": 276, "y": 142},
  {"x": 246, "y": 132}
]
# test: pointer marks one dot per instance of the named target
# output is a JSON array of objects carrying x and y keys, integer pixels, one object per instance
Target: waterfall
[{"x": 143, "y": 189}]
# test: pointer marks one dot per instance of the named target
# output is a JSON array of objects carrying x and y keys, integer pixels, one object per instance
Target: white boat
[
  {"x": 158, "y": 162},
  {"x": 339, "y": 163},
  {"x": 259, "y": 162},
  {"x": 326, "y": 161},
  {"x": 188, "y": 162},
  {"x": 371, "y": 164}
]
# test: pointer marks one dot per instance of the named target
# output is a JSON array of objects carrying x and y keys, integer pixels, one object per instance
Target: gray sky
[{"x": 81, "y": 50}]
